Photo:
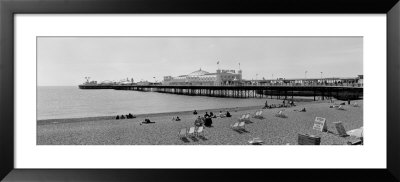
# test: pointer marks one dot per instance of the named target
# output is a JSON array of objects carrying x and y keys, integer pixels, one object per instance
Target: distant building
[
  {"x": 147, "y": 83},
  {"x": 107, "y": 82},
  {"x": 360, "y": 79},
  {"x": 334, "y": 81},
  {"x": 143, "y": 83},
  {"x": 201, "y": 77}
]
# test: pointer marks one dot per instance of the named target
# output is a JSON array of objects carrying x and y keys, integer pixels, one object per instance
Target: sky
[{"x": 66, "y": 61}]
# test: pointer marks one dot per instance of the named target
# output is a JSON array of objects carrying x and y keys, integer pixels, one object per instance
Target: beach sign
[
  {"x": 340, "y": 129},
  {"x": 320, "y": 124}
]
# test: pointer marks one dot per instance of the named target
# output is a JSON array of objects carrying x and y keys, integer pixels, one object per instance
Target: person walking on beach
[
  {"x": 266, "y": 104},
  {"x": 348, "y": 101},
  {"x": 206, "y": 115}
]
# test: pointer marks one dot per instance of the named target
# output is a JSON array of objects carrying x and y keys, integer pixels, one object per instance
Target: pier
[{"x": 278, "y": 92}]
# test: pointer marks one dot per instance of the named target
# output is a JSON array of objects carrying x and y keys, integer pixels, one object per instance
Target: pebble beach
[{"x": 272, "y": 130}]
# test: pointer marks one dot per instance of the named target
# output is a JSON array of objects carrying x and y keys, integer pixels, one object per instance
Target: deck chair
[
  {"x": 340, "y": 129},
  {"x": 280, "y": 114},
  {"x": 200, "y": 131},
  {"x": 336, "y": 106},
  {"x": 247, "y": 117},
  {"x": 243, "y": 116},
  {"x": 191, "y": 131},
  {"x": 355, "y": 104},
  {"x": 235, "y": 126},
  {"x": 182, "y": 133},
  {"x": 258, "y": 115},
  {"x": 241, "y": 125},
  {"x": 256, "y": 141},
  {"x": 305, "y": 139},
  {"x": 340, "y": 108}
]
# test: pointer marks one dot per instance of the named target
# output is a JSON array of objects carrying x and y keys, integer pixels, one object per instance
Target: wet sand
[{"x": 271, "y": 129}]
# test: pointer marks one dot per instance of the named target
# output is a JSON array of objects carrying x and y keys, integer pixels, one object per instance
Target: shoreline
[
  {"x": 142, "y": 116},
  {"x": 299, "y": 101}
]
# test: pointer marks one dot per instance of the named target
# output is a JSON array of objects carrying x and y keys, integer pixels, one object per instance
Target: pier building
[{"x": 204, "y": 78}]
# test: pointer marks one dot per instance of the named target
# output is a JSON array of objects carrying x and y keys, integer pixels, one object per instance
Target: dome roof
[{"x": 198, "y": 73}]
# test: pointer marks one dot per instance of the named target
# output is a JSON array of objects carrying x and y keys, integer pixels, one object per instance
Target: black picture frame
[{"x": 8, "y": 8}]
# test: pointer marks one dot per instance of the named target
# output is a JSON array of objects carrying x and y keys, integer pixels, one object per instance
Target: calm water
[{"x": 72, "y": 102}]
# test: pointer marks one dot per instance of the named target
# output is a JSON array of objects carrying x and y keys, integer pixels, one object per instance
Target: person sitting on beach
[
  {"x": 177, "y": 118},
  {"x": 212, "y": 115},
  {"x": 228, "y": 114},
  {"x": 195, "y": 112},
  {"x": 147, "y": 121},
  {"x": 117, "y": 117},
  {"x": 221, "y": 115},
  {"x": 303, "y": 110},
  {"x": 122, "y": 117},
  {"x": 198, "y": 122},
  {"x": 131, "y": 116}
]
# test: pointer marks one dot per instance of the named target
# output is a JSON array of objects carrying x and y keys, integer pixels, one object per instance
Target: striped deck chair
[
  {"x": 191, "y": 131},
  {"x": 200, "y": 131}
]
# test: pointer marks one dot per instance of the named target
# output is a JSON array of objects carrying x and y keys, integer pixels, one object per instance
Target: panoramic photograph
[{"x": 199, "y": 90}]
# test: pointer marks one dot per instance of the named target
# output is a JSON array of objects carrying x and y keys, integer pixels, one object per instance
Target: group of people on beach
[
  {"x": 212, "y": 115},
  {"x": 285, "y": 103},
  {"x": 128, "y": 116}
]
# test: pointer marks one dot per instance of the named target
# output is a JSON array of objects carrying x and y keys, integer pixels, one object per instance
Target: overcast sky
[{"x": 67, "y": 60}]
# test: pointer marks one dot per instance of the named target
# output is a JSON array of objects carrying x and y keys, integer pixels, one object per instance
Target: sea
[{"x": 59, "y": 102}]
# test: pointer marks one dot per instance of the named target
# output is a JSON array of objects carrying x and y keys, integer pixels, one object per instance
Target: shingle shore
[{"x": 272, "y": 130}]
